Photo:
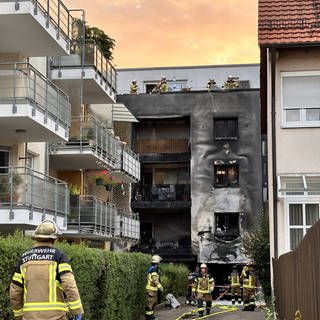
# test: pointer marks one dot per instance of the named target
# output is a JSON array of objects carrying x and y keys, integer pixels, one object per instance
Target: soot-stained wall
[{"x": 244, "y": 199}]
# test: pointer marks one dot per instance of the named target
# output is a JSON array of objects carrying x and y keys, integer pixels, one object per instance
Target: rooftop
[{"x": 288, "y": 22}]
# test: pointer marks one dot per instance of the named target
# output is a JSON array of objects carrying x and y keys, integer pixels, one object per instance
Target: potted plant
[{"x": 103, "y": 178}]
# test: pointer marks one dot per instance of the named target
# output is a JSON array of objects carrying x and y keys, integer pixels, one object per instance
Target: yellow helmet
[
  {"x": 156, "y": 259},
  {"x": 47, "y": 229}
]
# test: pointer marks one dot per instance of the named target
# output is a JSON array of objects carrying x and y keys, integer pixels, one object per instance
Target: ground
[{"x": 173, "y": 314}]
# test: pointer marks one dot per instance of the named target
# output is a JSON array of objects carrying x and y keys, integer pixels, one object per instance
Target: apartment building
[
  {"x": 201, "y": 182},
  {"x": 61, "y": 155},
  {"x": 289, "y": 42}
]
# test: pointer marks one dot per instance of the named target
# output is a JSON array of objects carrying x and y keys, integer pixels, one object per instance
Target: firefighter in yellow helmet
[
  {"x": 248, "y": 280},
  {"x": 234, "y": 278},
  {"x": 163, "y": 87},
  {"x": 203, "y": 288},
  {"x": 134, "y": 87},
  {"x": 153, "y": 286},
  {"x": 32, "y": 295}
]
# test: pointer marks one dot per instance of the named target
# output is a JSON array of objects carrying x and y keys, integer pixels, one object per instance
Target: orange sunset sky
[{"x": 155, "y": 33}]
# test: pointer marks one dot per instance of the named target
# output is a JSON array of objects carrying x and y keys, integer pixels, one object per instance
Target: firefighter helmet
[
  {"x": 47, "y": 229},
  {"x": 203, "y": 265},
  {"x": 156, "y": 259}
]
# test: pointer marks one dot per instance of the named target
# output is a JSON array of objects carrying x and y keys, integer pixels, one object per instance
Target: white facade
[{"x": 297, "y": 134}]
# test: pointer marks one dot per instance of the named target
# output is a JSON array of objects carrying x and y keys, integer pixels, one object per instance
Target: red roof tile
[{"x": 289, "y": 22}]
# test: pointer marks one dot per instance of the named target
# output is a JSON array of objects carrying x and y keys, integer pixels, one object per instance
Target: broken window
[
  {"x": 226, "y": 175},
  {"x": 227, "y": 225},
  {"x": 225, "y": 128}
]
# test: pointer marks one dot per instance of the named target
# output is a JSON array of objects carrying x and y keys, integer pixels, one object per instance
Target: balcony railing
[
  {"x": 128, "y": 164},
  {"x": 88, "y": 55},
  {"x": 87, "y": 133},
  {"x": 24, "y": 188},
  {"x": 56, "y": 13},
  {"x": 21, "y": 83},
  {"x": 127, "y": 225},
  {"x": 163, "y": 192},
  {"x": 92, "y": 216},
  {"x": 162, "y": 146}
]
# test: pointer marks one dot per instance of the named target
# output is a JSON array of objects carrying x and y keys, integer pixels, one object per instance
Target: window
[
  {"x": 227, "y": 226},
  {"x": 300, "y": 99},
  {"x": 226, "y": 175},
  {"x": 301, "y": 217},
  {"x": 225, "y": 128}
]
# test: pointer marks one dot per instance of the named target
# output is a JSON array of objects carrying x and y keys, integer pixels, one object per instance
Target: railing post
[
  {"x": 31, "y": 191},
  {"x": 46, "y": 105},
  {"x": 10, "y": 181},
  {"x": 55, "y": 199},
  {"x": 80, "y": 133},
  {"x": 34, "y": 93},
  {"x": 35, "y": 7},
  {"x": 45, "y": 192},
  {"x": 101, "y": 67},
  {"x": 95, "y": 214},
  {"x": 79, "y": 213},
  {"x": 14, "y": 107},
  {"x": 17, "y": 5},
  {"x": 48, "y": 14},
  {"x": 58, "y": 22},
  {"x": 66, "y": 205},
  {"x": 58, "y": 112}
]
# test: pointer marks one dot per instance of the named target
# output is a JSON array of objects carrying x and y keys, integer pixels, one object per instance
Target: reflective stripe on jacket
[
  {"x": 153, "y": 280},
  {"x": 203, "y": 284},
  {"x": 235, "y": 279},
  {"x": 42, "y": 280}
]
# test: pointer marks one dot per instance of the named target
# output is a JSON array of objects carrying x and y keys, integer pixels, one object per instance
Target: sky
[{"x": 163, "y": 33}]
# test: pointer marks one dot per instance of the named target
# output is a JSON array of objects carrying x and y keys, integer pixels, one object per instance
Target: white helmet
[
  {"x": 47, "y": 229},
  {"x": 156, "y": 259},
  {"x": 203, "y": 265}
]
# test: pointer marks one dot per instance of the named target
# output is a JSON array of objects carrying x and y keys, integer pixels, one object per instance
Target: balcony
[
  {"x": 127, "y": 167},
  {"x": 92, "y": 218},
  {"x": 34, "y": 28},
  {"x": 127, "y": 226},
  {"x": 162, "y": 196},
  {"x": 32, "y": 108},
  {"x": 27, "y": 197},
  {"x": 90, "y": 146},
  {"x": 173, "y": 145},
  {"x": 86, "y": 63}
]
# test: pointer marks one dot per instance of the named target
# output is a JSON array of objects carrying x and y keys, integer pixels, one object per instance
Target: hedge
[{"x": 111, "y": 284}]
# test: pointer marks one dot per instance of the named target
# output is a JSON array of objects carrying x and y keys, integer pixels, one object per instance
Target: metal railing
[
  {"x": 22, "y": 187},
  {"x": 88, "y": 133},
  {"x": 162, "y": 145},
  {"x": 128, "y": 162},
  {"x": 127, "y": 225},
  {"x": 88, "y": 55},
  {"x": 90, "y": 215},
  {"x": 56, "y": 13},
  {"x": 162, "y": 192},
  {"x": 22, "y": 83}
]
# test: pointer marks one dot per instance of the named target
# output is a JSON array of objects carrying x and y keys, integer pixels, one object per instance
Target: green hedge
[{"x": 111, "y": 284}]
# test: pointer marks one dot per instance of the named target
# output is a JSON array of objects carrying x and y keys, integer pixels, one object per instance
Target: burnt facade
[{"x": 201, "y": 184}]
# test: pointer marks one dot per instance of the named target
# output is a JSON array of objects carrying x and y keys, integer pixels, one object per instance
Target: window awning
[
  {"x": 298, "y": 184},
  {"x": 121, "y": 113}
]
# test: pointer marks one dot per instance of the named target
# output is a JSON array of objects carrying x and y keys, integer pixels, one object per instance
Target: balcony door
[{"x": 4, "y": 159}]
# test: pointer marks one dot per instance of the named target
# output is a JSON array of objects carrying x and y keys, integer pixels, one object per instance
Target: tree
[
  {"x": 257, "y": 245},
  {"x": 103, "y": 41}
]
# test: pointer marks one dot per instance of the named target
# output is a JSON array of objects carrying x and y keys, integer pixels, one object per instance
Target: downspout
[{"x": 274, "y": 150}]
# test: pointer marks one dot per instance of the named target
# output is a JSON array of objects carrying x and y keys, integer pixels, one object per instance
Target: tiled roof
[{"x": 289, "y": 22}]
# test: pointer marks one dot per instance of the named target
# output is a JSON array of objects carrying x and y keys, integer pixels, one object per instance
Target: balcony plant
[
  {"x": 103, "y": 178},
  {"x": 5, "y": 188}
]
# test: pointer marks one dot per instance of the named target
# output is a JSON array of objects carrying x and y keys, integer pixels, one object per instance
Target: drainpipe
[{"x": 273, "y": 53}]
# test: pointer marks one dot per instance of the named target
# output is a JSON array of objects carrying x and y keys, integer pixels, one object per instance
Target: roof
[{"x": 288, "y": 22}]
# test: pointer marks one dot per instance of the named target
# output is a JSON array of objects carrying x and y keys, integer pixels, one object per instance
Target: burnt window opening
[
  {"x": 150, "y": 87},
  {"x": 226, "y": 175},
  {"x": 225, "y": 128},
  {"x": 227, "y": 226}
]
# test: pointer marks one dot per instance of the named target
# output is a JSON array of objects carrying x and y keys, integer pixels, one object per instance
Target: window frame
[
  {"x": 303, "y": 201},
  {"x": 229, "y": 184},
  {"x": 302, "y": 123},
  {"x": 220, "y": 237},
  {"x": 225, "y": 119}
]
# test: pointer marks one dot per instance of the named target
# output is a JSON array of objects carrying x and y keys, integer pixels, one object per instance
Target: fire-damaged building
[{"x": 201, "y": 172}]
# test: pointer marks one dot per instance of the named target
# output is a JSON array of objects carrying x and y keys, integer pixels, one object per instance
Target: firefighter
[
  {"x": 211, "y": 84},
  {"x": 163, "y": 85},
  {"x": 231, "y": 83},
  {"x": 134, "y": 87},
  {"x": 154, "y": 288},
  {"x": 234, "y": 278},
  {"x": 203, "y": 288},
  {"x": 43, "y": 285},
  {"x": 248, "y": 279},
  {"x": 189, "y": 296}
]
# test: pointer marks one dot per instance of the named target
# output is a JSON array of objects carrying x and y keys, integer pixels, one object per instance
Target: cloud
[{"x": 176, "y": 32}]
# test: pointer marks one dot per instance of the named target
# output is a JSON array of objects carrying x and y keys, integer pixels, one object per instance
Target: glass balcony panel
[{"x": 20, "y": 83}]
